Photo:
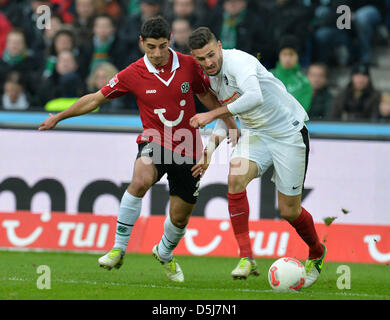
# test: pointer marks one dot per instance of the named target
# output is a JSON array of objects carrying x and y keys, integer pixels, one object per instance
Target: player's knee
[
  {"x": 236, "y": 183},
  {"x": 289, "y": 212},
  {"x": 180, "y": 222},
  {"x": 139, "y": 186}
]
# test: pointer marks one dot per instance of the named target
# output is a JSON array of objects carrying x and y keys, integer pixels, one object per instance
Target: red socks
[
  {"x": 304, "y": 226},
  {"x": 239, "y": 217}
]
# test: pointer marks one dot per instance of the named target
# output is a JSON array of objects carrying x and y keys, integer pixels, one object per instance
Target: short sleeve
[
  {"x": 117, "y": 86},
  {"x": 200, "y": 82}
]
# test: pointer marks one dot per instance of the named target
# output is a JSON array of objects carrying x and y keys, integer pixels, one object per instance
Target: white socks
[
  {"x": 129, "y": 211},
  {"x": 170, "y": 239}
]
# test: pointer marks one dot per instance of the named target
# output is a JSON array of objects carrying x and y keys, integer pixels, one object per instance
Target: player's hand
[
  {"x": 233, "y": 136},
  {"x": 49, "y": 123},
  {"x": 202, "y": 165},
  {"x": 201, "y": 119}
]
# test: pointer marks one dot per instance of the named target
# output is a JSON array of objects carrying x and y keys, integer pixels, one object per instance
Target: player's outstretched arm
[
  {"x": 82, "y": 106},
  {"x": 211, "y": 102},
  {"x": 201, "y": 119},
  {"x": 221, "y": 130},
  {"x": 201, "y": 166},
  {"x": 232, "y": 131}
]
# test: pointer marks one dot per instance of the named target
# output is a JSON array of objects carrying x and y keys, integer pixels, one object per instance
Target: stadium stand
[{"x": 253, "y": 26}]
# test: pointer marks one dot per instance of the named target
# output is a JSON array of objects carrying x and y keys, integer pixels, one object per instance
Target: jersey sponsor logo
[
  {"x": 112, "y": 83},
  {"x": 185, "y": 87},
  {"x": 372, "y": 240},
  {"x": 151, "y": 91},
  {"x": 168, "y": 123}
]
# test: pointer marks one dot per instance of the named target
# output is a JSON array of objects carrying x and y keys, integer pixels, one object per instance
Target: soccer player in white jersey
[{"x": 273, "y": 132}]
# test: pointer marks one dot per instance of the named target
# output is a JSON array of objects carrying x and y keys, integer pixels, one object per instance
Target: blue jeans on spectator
[
  {"x": 366, "y": 21},
  {"x": 326, "y": 40}
]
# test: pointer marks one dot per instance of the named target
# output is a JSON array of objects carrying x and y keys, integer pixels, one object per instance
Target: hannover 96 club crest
[{"x": 185, "y": 86}]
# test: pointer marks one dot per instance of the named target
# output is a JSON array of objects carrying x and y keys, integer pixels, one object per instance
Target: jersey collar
[{"x": 152, "y": 69}]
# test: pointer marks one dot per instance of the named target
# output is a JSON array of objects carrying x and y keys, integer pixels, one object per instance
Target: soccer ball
[{"x": 286, "y": 274}]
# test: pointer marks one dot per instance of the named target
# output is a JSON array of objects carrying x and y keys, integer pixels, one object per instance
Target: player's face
[
  {"x": 157, "y": 50},
  {"x": 209, "y": 57}
]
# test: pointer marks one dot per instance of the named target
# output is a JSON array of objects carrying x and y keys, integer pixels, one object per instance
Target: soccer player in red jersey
[{"x": 164, "y": 82}]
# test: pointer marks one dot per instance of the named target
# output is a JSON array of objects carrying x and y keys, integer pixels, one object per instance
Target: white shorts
[{"x": 288, "y": 155}]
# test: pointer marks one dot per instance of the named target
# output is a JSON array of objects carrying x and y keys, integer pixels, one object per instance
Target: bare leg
[{"x": 174, "y": 226}]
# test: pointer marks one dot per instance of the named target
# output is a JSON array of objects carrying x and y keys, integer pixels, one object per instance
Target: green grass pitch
[{"x": 77, "y": 276}]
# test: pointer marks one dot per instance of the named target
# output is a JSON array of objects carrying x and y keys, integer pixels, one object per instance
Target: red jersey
[{"x": 165, "y": 99}]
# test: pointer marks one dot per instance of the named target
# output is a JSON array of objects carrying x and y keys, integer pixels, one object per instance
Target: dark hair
[
  {"x": 66, "y": 32},
  {"x": 155, "y": 28},
  {"x": 15, "y": 77},
  {"x": 361, "y": 68},
  {"x": 106, "y": 16},
  {"x": 289, "y": 41},
  {"x": 200, "y": 37}
]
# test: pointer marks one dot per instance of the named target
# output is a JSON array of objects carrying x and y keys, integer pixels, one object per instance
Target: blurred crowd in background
[{"x": 299, "y": 41}]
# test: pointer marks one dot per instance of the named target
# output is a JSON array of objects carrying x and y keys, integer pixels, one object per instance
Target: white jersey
[{"x": 279, "y": 114}]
